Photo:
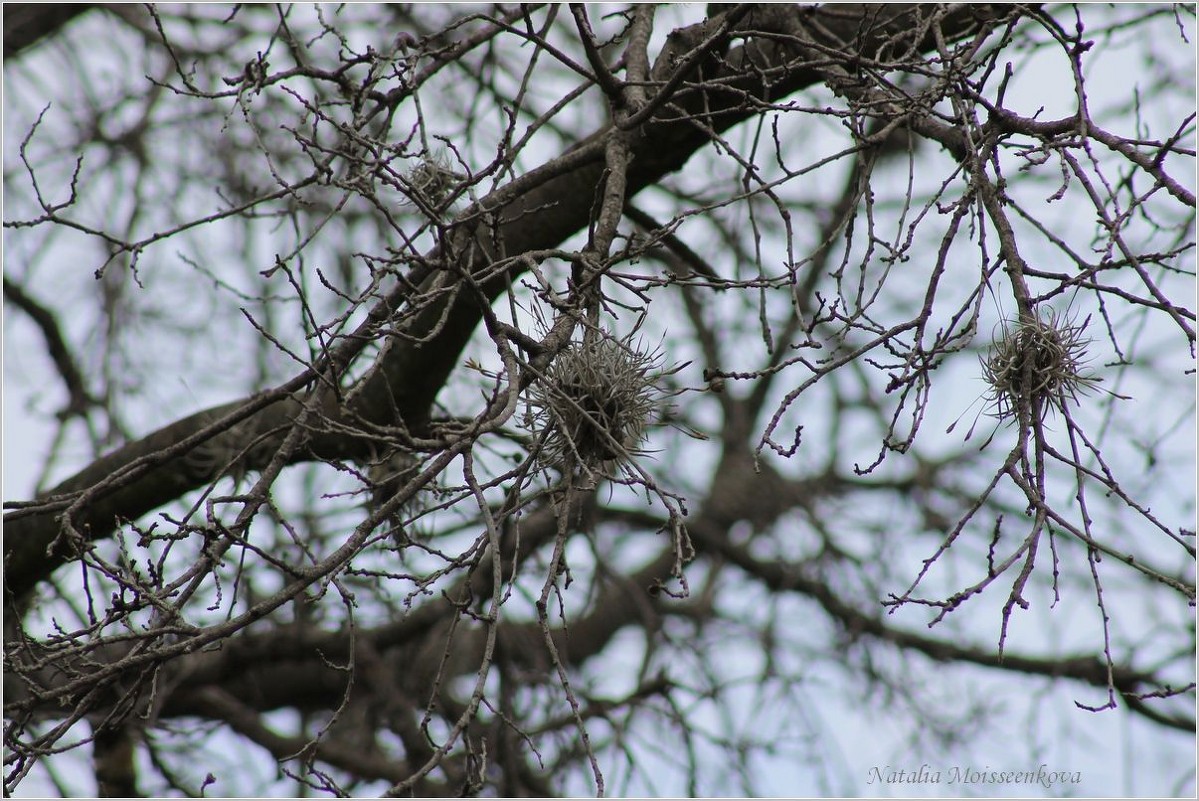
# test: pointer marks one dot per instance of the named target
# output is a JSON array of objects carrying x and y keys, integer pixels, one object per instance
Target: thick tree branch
[
  {"x": 535, "y": 212},
  {"x": 78, "y": 397},
  {"x": 295, "y": 667},
  {"x": 25, "y": 24}
]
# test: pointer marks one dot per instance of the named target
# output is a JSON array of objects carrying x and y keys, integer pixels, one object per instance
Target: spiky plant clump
[
  {"x": 594, "y": 404},
  {"x": 1039, "y": 360},
  {"x": 433, "y": 179}
]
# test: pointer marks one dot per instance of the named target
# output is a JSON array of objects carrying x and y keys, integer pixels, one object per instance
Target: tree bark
[
  {"x": 25, "y": 24},
  {"x": 536, "y": 211}
]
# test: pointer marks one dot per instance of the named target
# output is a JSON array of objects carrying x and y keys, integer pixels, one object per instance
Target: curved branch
[
  {"x": 295, "y": 668},
  {"x": 1086, "y": 669},
  {"x": 537, "y": 211},
  {"x": 79, "y": 400},
  {"x": 25, "y": 24}
]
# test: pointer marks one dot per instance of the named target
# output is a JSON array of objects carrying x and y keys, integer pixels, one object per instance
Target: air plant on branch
[
  {"x": 594, "y": 403},
  {"x": 1040, "y": 362},
  {"x": 433, "y": 180}
]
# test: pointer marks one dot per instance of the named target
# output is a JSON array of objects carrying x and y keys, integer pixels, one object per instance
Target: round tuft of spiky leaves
[
  {"x": 594, "y": 403},
  {"x": 1039, "y": 361},
  {"x": 433, "y": 179}
]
